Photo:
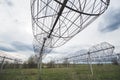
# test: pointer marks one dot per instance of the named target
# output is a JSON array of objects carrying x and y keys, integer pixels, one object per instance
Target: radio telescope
[
  {"x": 54, "y": 22},
  {"x": 59, "y": 20}
]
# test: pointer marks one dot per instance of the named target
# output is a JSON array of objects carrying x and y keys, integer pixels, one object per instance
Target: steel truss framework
[
  {"x": 59, "y": 20},
  {"x": 103, "y": 52}
]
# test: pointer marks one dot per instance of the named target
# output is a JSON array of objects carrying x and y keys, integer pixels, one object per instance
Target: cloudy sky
[{"x": 16, "y": 30}]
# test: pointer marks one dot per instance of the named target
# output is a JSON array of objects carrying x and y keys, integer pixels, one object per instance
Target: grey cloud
[
  {"x": 22, "y": 46},
  {"x": 111, "y": 27},
  {"x": 15, "y": 47},
  {"x": 4, "y": 46},
  {"x": 7, "y": 49},
  {"x": 111, "y": 22},
  {"x": 9, "y": 2}
]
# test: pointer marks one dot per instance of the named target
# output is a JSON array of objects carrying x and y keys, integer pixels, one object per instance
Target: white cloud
[
  {"x": 15, "y": 23},
  {"x": 14, "y": 55}
]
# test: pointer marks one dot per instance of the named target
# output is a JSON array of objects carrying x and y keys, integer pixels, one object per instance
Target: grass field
[{"x": 79, "y": 72}]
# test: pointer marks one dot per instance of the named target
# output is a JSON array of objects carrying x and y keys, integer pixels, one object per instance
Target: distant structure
[
  {"x": 4, "y": 58},
  {"x": 118, "y": 58}
]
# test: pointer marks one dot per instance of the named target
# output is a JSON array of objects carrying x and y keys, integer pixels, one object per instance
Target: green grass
[{"x": 79, "y": 72}]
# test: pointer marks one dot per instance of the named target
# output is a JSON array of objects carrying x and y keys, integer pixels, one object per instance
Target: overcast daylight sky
[{"x": 16, "y": 30}]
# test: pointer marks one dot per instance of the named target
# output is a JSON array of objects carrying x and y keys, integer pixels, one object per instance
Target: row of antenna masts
[
  {"x": 4, "y": 58},
  {"x": 54, "y": 22},
  {"x": 98, "y": 54}
]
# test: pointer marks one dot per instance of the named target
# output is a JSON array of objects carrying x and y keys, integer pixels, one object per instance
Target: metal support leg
[
  {"x": 1, "y": 68},
  {"x": 90, "y": 64},
  {"x": 40, "y": 60}
]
